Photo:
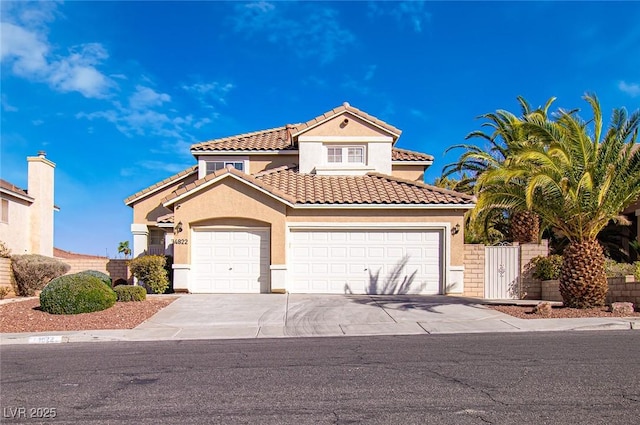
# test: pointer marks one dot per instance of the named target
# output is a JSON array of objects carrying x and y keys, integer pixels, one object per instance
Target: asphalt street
[{"x": 521, "y": 378}]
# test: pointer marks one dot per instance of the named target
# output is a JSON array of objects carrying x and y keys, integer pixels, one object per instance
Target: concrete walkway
[{"x": 296, "y": 315}]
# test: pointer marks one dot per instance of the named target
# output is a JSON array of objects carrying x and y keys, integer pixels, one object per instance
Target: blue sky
[{"x": 116, "y": 92}]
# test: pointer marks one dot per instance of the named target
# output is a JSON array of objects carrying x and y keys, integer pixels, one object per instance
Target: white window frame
[
  {"x": 345, "y": 154},
  {"x": 224, "y": 165}
]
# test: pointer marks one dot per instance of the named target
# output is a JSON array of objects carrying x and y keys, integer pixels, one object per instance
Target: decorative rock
[
  {"x": 622, "y": 308},
  {"x": 542, "y": 308}
]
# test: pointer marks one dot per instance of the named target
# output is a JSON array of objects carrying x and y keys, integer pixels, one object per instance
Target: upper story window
[
  {"x": 219, "y": 165},
  {"x": 345, "y": 155},
  {"x": 4, "y": 216}
]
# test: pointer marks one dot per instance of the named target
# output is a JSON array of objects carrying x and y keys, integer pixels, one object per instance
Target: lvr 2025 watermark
[{"x": 29, "y": 412}]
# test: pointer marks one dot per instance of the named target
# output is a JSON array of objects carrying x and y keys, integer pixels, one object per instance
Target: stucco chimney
[{"x": 40, "y": 187}]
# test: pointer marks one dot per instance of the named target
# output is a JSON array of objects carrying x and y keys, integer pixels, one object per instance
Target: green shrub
[
  {"x": 150, "y": 270},
  {"x": 100, "y": 275},
  {"x": 130, "y": 293},
  {"x": 614, "y": 269},
  {"x": 636, "y": 273},
  {"x": 32, "y": 272},
  {"x": 547, "y": 268},
  {"x": 76, "y": 293}
]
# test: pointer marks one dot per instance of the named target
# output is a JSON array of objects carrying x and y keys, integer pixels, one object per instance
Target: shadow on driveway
[{"x": 429, "y": 303}]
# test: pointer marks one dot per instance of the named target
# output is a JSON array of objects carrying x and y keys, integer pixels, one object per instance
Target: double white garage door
[{"x": 344, "y": 261}]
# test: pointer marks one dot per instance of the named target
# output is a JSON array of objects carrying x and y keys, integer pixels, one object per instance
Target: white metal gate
[{"x": 502, "y": 272}]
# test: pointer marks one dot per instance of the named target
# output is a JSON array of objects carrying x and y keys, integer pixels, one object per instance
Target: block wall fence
[
  {"x": 115, "y": 268},
  {"x": 621, "y": 289}
]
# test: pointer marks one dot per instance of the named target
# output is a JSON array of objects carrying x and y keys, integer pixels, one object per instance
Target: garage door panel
[
  {"x": 357, "y": 252},
  {"x": 366, "y": 261}
]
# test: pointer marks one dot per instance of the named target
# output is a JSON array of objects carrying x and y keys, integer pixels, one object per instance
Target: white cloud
[
  {"x": 207, "y": 92},
  {"x": 310, "y": 30},
  {"x": 632, "y": 89},
  {"x": 413, "y": 12},
  {"x": 418, "y": 113},
  {"x": 26, "y": 49},
  {"x": 371, "y": 71},
  {"x": 6, "y": 106},
  {"x": 147, "y": 114},
  {"x": 163, "y": 166},
  {"x": 360, "y": 84},
  {"x": 145, "y": 97}
]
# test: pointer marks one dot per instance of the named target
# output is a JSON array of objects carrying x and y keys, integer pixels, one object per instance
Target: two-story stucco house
[
  {"x": 327, "y": 206},
  {"x": 26, "y": 216}
]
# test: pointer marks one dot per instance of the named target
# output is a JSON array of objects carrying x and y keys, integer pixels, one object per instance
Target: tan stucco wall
[
  {"x": 16, "y": 233},
  {"x": 355, "y": 127},
  {"x": 389, "y": 215},
  {"x": 230, "y": 202},
  {"x": 408, "y": 172},
  {"x": 148, "y": 209}
]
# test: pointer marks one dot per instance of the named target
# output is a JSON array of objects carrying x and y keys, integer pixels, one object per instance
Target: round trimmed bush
[
  {"x": 76, "y": 293},
  {"x": 102, "y": 276},
  {"x": 130, "y": 293}
]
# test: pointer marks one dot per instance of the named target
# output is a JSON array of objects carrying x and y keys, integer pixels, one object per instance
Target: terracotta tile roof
[
  {"x": 272, "y": 139},
  {"x": 355, "y": 111},
  {"x": 13, "y": 188},
  {"x": 406, "y": 155},
  {"x": 372, "y": 188},
  {"x": 286, "y": 183},
  {"x": 167, "y": 219},
  {"x": 183, "y": 173},
  {"x": 220, "y": 173}
]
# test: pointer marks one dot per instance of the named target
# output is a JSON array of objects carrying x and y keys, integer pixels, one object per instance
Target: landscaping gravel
[
  {"x": 526, "y": 312},
  {"x": 25, "y": 316}
]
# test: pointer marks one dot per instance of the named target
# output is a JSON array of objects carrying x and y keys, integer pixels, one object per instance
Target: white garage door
[
  {"x": 230, "y": 261},
  {"x": 366, "y": 261}
]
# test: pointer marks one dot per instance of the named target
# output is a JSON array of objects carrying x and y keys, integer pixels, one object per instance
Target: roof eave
[
  {"x": 139, "y": 195},
  {"x": 245, "y": 152},
  {"x": 409, "y": 162},
  {"x": 385, "y": 206},
  {"x": 17, "y": 195}
]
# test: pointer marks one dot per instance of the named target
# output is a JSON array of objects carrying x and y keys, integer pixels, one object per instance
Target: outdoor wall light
[
  {"x": 178, "y": 228},
  {"x": 455, "y": 229}
]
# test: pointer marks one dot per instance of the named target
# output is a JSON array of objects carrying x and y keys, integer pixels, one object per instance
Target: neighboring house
[
  {"x": 326, "y": 206},
  {"x": 26, "y": 219}
]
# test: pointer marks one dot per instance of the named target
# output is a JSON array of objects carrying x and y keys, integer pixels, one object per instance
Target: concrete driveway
[{"x": 282, "y": 315}]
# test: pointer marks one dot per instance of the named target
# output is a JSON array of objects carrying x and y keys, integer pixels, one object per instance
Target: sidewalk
[{"x": 236, "y": 316}]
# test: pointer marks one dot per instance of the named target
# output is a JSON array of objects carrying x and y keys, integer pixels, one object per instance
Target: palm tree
[
  {"x": 577, "y": 179},
  {"x": 123, "y": 248},
  {"x": 505, "y": 139}
]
